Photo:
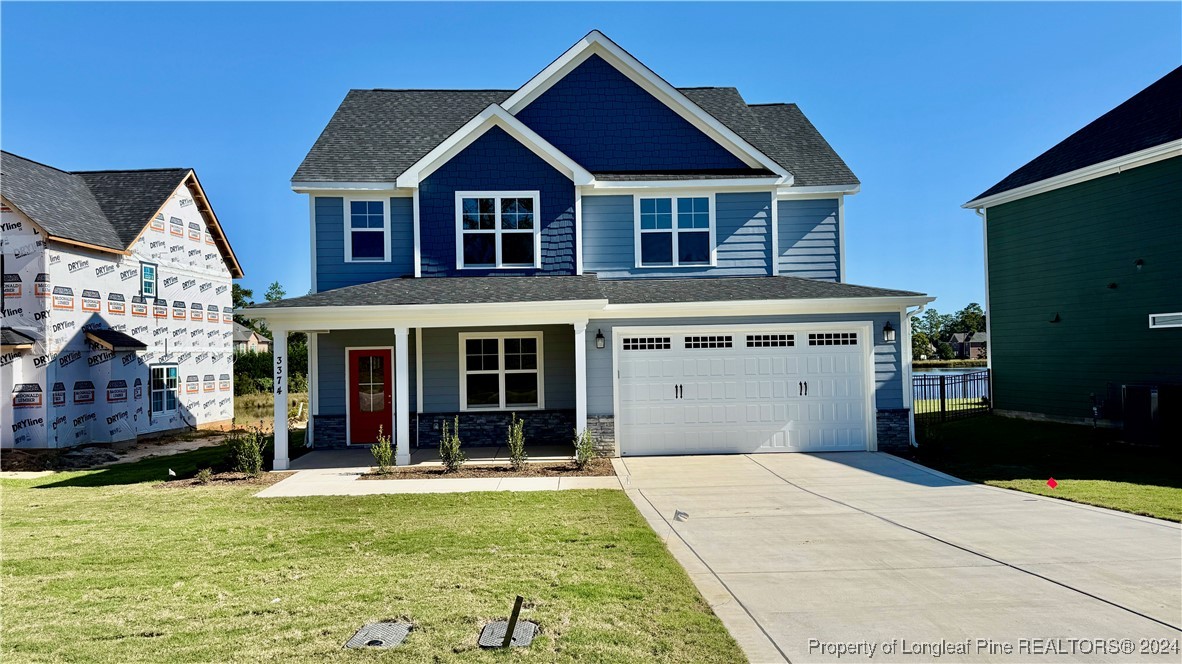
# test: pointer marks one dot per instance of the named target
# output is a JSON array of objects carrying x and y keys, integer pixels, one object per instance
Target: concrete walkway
[
  {"x": 338, "y": 473},
  {"x": 800, "y": 552}
]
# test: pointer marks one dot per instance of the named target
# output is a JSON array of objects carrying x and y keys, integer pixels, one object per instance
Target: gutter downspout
[
  {"x": 907, "y": 316},
  {"x": 984, "y": 214}
]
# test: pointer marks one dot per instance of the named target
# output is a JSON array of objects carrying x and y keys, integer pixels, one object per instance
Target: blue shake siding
[
  {"x": 601, "y": 119},
  {"x": 496, "y": 162}
]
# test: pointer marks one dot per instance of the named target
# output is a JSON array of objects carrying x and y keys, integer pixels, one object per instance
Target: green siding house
[{"x": 1084, "y": 272}]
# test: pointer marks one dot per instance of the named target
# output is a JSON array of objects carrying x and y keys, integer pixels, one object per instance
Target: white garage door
[{"x": 743, "y": 391}]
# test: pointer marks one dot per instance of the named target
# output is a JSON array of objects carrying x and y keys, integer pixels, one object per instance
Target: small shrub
[
  {"x": 516, "y": 443},
  {"x": 449, "y": 447},
  {"x": 383, "y": 453},
  {"x": 248, "y": 451},
  {"x": 584, "y": 448},
  {"x": 204, "y": 476}
]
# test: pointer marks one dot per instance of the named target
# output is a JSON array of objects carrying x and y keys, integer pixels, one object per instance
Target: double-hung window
[
  {"x": 501, "y": 371},
  {"x": 366, "y": 231},
  {"x": 674, "y": 231},
  {"x": 497, "y": 229},
  {"x": 165, "y": 387},
  {"x": 147, "y": 279}
]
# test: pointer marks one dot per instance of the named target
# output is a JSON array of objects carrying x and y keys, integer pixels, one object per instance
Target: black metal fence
[{"x": 943, "y": 397}]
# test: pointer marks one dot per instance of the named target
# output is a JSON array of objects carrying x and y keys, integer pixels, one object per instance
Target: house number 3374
[{"x": 279, "y": 375}]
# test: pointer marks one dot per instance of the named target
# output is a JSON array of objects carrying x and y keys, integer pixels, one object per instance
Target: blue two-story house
[{"x": 595, "y": 250}]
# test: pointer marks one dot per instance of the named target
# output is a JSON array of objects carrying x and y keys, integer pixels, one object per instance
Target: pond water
[{"x": 946, "y": 370}]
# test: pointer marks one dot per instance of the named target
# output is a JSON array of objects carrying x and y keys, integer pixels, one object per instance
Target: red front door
[{"x": 371, "y": 395}]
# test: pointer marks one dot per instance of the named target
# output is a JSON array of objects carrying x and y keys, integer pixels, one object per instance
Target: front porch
[{"x": 411, "y": 381}]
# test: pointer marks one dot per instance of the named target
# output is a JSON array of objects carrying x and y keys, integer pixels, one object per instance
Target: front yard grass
[
  {"x": 1090, "y": 465},
  {"x": 105, "y": 566}
]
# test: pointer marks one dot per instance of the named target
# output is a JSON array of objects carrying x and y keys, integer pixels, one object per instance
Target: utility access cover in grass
[
  {"x": 493, "y": 634},
  {"x": 380, "y": 635}
]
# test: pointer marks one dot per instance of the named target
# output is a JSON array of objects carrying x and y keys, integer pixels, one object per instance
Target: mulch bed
[
  {"x": 228, "y": 479},
  {"x": 597, "y": 468}
]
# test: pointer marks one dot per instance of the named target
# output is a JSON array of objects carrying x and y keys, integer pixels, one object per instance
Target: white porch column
[
  {"x": 580, "y": 375},
  {"x": 279, "y": 350},
  {"x": 402, "y": 395}
]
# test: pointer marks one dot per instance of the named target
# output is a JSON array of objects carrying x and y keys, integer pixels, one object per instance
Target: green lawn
[
  {"x": 1090, "y": 465},
  {"x": 107, "y": 566}
]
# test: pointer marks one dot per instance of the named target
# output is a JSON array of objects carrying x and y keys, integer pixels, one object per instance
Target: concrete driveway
[{"x": 808, "y": 556}]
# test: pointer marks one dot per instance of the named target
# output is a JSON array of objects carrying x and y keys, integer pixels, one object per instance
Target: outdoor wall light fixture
[
  {"x": 888, "y": 333},
  {"x": 1056, "y": 319},
  {"x": 600, "y": 341},
  {"x": 1139, "y": 264}
]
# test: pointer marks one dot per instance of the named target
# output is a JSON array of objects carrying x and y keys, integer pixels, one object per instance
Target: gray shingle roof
[
  {"x": 1149, "y": 118},
  {"x": 11, "y": 337},
  {"x": 796, "y": 144},
  {"x": 58, "y": 201},
  {"x": 115, "y": 340},
  {"x": 486, "y": 290},
  {"x": 104, "y": 208},
  {"x": 375, "y": 135},
  {"x": 130, "y": 198},
  {"x": 452, "y": 290},
  {"x": 736, "y": 289}
]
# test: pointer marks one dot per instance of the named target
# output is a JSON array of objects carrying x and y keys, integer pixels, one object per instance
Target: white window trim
[
  {"x": 498, "y": 195},
  {"x": 177, "y": 390},
  {"x": 1154, "y": 325},
  {"x": 155, "y": 280},
  {"x": 501, "y": 371},
  {"x": 673, "y": 196},
  {"x": 348, "y": 229}
]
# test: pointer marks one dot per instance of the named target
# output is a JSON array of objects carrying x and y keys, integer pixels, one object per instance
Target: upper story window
[
  {"x": 147, "y": 279},
  {"x": 497, "y": 229},
  {"x": 674, "y": 231},
  {"x": 367, "y": 231}
]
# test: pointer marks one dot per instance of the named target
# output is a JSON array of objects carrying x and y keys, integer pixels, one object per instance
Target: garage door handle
[
  {"x": 806, "y": 388},
  {"x": 799, "y": 388}
]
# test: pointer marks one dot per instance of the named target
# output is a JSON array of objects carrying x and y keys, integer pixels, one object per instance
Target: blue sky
[{"x": 930, "y": 104}]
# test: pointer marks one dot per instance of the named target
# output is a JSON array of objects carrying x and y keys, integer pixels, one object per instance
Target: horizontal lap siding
[
  {"x": 330, "y": 377},
  {"x": 331, "y": 269},
  {"x": 1057, "y": 253},
  {"x": 809, "y": 242},
  {"x": 441, "y": 366},
  {"x": 887, "y": 369},
  {"x": 742, "y": 236}
]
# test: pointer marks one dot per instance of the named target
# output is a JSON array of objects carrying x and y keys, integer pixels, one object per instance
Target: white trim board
[
  {"x": 325, "y": 188},
  {"x": 596, "y": 43},
  {"x": 492, "y": 116},
  {"x": 1104, "y": 168}
]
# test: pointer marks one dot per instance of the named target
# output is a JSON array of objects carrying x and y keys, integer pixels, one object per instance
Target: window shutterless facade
[
  {"x": 164, "y": 387},
  {"x": 674, "y": 231},
  {"x": 148, "y": 279},
  {"x": 367, "y": 231},
  {"x": 498, "y": 229},
  {"x": 501, "y": 372}
]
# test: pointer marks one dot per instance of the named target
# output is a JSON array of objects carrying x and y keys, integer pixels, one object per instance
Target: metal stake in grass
[{"x": 512, "y": 623}]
